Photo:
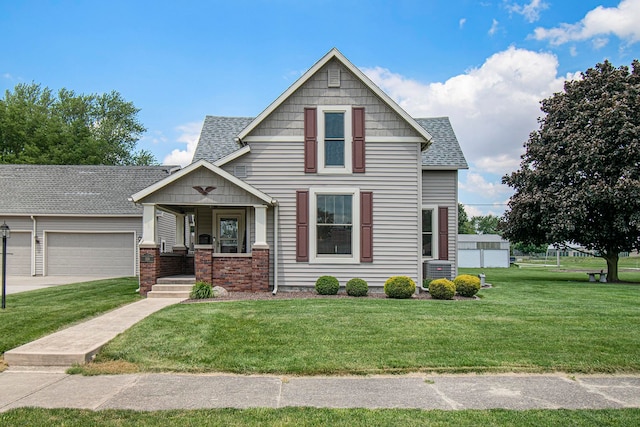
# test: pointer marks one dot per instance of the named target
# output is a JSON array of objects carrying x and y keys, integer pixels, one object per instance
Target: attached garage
[
  {"x": 18, "y": 254},
  {"x": 91, "y": 254}
]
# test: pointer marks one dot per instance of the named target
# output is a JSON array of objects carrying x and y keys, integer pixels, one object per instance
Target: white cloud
[
  {"x": 189, "y": 134},
  {"x": 621, "y": 21},
  {"x": 462, "y": 22},
  {"x": 7, "y": 76},
  {"x": 476, "y": 183},
  {"x": 492, "y": 108},
  {"x": 531, "y": 11},
  {"x": 494, "y": 27}
]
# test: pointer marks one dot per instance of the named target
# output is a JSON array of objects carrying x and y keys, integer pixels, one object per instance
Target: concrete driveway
[{"x": 17, "y": 284}]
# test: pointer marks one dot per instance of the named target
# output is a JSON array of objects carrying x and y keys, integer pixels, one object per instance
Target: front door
[{"x": 230, "y": 231}]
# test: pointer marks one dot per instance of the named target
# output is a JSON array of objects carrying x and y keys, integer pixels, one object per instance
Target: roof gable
[
  {"x": 160, "y": 185},
  {"x": 335, "y": 55}
]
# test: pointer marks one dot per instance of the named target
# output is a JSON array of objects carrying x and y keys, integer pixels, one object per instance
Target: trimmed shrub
[
  {"x": 201, "y": 290},
  {"x": 327, "y": 285},
  {"x": 425, "y": 282},
  {"x": 467, "y": 285},
  {"x": 400, "y": 287},
  {"x": 357, "y": 288},
  {"x": 442, "y": 289}
]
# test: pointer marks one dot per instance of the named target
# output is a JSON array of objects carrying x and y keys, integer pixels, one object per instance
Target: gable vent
[
  {"x": 240, "y": 171},
  {"x": 334, "y": 77}
]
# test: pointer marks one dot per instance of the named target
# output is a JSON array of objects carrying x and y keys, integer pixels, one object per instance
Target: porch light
[{"x": 5, "y": 232}]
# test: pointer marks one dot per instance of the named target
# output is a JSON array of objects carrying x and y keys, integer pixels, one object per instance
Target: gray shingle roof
[
  {"x": 84, "y": 190},
  {"x": 217, "y": 137},
  {"x": 444, "y": 152},
  {"x": 218, "y": 133}
]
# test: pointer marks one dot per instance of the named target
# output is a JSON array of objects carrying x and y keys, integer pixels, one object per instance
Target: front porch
[{"x": 220, "y": 234}]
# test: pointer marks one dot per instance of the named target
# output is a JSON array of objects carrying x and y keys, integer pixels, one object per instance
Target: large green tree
[
  {"x": 464, "y": 225},
  {"x": 38, "y": 126},
  {"x": 579, "y": 179}
]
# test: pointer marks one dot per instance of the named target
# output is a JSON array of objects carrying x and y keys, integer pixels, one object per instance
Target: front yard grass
[
  {"x": 31, "y": 315},
  {"x": 320, "y": 417},
  {"x": 532, "y": 320}
]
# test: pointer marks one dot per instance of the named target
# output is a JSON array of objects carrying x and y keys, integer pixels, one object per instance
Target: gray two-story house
[{"x": 332, "y": 178}]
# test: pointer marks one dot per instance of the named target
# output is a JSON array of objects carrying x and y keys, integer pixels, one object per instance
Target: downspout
[
  {"x": 276, "y": 221},
  {"x": 33, "y": 247}
]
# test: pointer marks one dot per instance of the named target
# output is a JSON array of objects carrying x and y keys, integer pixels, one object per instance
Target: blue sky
[{"x": 485, "y": 64}]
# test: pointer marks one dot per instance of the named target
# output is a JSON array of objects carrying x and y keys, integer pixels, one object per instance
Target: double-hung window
[
  {"x": 428, "y": 236},
  {"x": 334, "y": 139},
  {"x": 335, "y": 225}
]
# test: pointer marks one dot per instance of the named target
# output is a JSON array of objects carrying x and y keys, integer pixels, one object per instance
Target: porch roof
[{"x": 160, "y": 185}]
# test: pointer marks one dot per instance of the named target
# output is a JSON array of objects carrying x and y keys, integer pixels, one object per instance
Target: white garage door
[
  {"x": 90, "y": 254},
  {"x": 18, "y": 254}
]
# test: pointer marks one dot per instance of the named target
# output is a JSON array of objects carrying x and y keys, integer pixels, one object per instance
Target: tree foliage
[
  {"x": 579, "y": 179},
  {"x": 464, "y": 225},
  {"x": 38, "y": 126},
  {"x": 485, "y": 224}
]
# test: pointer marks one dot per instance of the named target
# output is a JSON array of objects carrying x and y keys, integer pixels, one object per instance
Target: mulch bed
[{"x": 239, "y": 296}]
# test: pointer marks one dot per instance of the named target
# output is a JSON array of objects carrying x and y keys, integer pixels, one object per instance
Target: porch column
[
  {"x": 148, "y": 225},
  {"x": 261, "y": 227},
  {"x": 148, "y": 250},
  {"x": 260, "y": 252},
  {"x": 180, "y": 247}
]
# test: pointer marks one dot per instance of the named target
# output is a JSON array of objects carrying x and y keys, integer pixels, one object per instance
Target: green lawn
[
  {"x": 31, "y": 315},
  {"x": 320, "y": 417},
  {"x": 532, "y": 320}
]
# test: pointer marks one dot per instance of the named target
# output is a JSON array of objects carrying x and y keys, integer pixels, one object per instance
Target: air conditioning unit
[{"x": 436, "y": 269}]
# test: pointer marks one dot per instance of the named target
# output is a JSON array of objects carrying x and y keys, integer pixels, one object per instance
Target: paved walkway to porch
[{"x": 79, "y": 343}]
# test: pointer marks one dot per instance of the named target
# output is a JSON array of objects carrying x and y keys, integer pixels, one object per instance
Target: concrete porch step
[
  {"x": 172, "y": 287},
  {"x": 170, "y": 291},
  {"x": 176, "y": 280}
]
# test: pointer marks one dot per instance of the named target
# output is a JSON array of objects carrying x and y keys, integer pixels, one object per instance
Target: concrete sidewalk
[
  {"x": 79, "y": 343},
  {"x": 448, "y": 392}
]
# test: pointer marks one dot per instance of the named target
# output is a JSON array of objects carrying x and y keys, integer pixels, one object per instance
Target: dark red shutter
[
  {"x": 366, "y": 226},
  {"x": 357, "y": 128},
  {"x": 310, "y": 140},
  {"x": 443, "y": 233},
  {"x": 302, "y": 226}
]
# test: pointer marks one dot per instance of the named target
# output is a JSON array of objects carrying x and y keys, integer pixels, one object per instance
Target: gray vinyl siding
[
  {"x": 277, "y": 169},
  {"x": 166, "y": 229},
  {"x": 439, "y": 188},
  {"x": 288, "y": 119}
]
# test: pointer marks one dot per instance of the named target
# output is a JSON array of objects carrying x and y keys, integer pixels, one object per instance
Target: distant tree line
[{"x": 38, "y": 126}]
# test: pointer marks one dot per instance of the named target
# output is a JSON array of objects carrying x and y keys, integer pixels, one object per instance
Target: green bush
[
  {"x": 201, "y": 290},
  {"x": 425, "y": 283},
  {"x": 442, "y": 289},
  {"x": 327, "y": 285},
  {"x": 399, "y": 287},
  {"x": 467, "y": 285},
  {"x": 357, "y": 287}
]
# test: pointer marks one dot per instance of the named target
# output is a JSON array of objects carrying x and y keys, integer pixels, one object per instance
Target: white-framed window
[
  {"x": 429, "y": 232},
  {"x": 334, "y": 139},
  {"x": 334, "y": 225}
]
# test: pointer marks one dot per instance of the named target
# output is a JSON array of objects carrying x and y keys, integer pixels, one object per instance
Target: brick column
[
  {"x": 259, "y": 269},
  {"x": 149, "y": 268},
  {"x": 203, "y": 264}
]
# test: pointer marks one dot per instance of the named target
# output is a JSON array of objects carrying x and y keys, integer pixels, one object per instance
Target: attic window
[{"x": 334, "y": 77}]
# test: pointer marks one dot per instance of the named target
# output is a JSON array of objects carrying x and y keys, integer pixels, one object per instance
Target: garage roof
[{"x": 74, "y": 190}]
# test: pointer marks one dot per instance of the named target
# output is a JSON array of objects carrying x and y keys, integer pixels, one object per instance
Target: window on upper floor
[{"x": 334, "y": 139}]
